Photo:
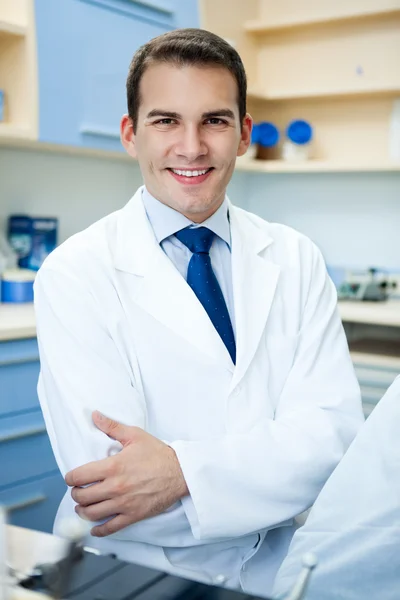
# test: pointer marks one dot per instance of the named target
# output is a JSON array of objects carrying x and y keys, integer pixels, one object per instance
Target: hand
[{"x": 141, "y": 481}]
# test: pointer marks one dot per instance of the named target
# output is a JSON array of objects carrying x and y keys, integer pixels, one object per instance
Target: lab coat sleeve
[
  {"x": 353, "y": 527},
  {"x": 81, "y": 370},
  {"x": 243, "y": 483}
]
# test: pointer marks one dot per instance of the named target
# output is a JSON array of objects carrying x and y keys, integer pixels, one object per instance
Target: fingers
[
  {"x": 98, "y": 492},
  {"x": 117, "y": 431},
  {"x": 90, "y": 473},
  {"x": 112, "y": 526},
  {"x": 97, "y": 512}
]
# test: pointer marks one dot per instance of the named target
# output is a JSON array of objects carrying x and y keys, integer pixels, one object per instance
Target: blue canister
[
  {"x": 268, "y": 141},
  {"x": 297, "y": 145},
  {"x": 299, "y": 132},
  {"x": 255, "y": 134},
  {"x": 268, "y": 134},
  {"x": 17, "y": 285}
]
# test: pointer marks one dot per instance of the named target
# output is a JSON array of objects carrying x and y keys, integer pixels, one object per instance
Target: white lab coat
[
  {"x": 354, "y": 525},
  {"x": 120, "y": 331}
]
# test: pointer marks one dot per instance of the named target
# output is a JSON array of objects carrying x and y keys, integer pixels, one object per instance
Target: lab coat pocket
[{"x": 280, "y": 356}]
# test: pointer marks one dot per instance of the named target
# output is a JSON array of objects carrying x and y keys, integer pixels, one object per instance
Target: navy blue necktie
[{"x": 203, "y": 282}]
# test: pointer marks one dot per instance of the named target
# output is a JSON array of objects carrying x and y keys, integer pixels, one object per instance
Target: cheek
[{"x": 226, "y": 146}]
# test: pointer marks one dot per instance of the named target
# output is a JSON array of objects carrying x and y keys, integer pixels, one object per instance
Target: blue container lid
[
  {"x": 255, "y": 134},
  {"x": 299, "y": 132},
  {"x": 269, "y": 134}
]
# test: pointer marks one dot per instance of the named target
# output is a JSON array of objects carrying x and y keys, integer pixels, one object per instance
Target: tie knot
[{"x": 197, "y": 239}]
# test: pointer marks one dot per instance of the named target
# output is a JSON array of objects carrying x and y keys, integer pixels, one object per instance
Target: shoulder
[
  {"x": 82, "y": 254},
  {"x": 287, "y": 244}
]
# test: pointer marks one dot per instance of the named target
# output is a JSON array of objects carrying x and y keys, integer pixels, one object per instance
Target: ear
[
  {"x": 245, "y": 136},
  {"x": 128, "y": 138}
]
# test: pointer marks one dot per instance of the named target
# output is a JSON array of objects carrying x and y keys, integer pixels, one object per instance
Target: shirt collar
[{"x": 166, "y": 221}]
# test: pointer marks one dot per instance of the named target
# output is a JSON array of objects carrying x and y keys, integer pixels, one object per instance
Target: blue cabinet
[
  {"x": 31, "y": 486},
  {"x": 84, "y": 51}
]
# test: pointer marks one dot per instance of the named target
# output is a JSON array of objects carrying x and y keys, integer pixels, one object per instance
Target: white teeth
[{"x": 190, "y": 173}]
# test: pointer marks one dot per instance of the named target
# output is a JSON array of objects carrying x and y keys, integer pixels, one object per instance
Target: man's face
[{"x": 187, "y": 137}]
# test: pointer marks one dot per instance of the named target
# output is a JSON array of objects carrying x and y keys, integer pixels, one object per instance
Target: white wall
[{"x": 354, "y": 218}]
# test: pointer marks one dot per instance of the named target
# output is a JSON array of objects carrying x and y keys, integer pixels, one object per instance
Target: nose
[{"x": 191, "y": 145}]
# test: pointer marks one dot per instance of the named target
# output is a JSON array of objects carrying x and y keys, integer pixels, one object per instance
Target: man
[
  {"x": 354, "y": 525},
  {"x": 208, "y": 339}
]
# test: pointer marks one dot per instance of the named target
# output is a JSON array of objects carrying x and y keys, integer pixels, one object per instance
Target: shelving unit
[
  {"x": 361, "y": 91},
  {"x": 334, "y": 64},
  {"x": 12, "y": 29},
  {"x": 257, "y": 27},
  {"x": 312, "y": 166},
  {"x": 18, "y": 70}
]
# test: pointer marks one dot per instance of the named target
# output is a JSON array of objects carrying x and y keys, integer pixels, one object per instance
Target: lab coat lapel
[
  {"x": 158, "y": 288},
  {"x": 255, "y": 278}
]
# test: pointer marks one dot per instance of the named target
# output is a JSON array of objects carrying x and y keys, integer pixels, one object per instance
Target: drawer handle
[
  {"x": 22, "y": 434},
  {"x": 25, "y": 503},
  {"x": 98, "y": 130},
  {"x": 19, "y": 361}
]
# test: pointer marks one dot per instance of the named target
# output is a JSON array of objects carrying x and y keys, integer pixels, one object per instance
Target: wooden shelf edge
[
  {"x": 257, "y": 28},
  {"x": 255, "y": 94},
  {"x": 10, "y": 131},
  {"x": 12, "y": 28},
  {"x": 12, "y": 136},
  {"x": 311, "y": 166},
  {"x": 22, "y": 142}
]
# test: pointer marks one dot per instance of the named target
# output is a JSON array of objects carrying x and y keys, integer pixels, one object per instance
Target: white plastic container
[{"x": 298, "y": 142}]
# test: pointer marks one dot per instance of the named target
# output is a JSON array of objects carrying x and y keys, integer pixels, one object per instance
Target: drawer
[
  {"x": 25, "y": 449},
  {"x": 34, "y": 505},
  {"x": 18, "y": 381},
  {"x": 19, "y": 372}
]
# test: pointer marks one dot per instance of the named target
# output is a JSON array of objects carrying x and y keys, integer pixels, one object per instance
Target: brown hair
[{"x": 183, "y": 47}]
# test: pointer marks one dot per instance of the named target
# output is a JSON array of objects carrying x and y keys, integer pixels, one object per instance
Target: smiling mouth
[{"x": 190, "y": 172}]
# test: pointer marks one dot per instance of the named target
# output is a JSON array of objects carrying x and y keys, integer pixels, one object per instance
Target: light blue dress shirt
[
  {"x": 226, "y": 557},
  {"x": 166, "y": 221}
]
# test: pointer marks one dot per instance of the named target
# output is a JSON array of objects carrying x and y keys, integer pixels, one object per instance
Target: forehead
[{"x": 188, "y": 87}]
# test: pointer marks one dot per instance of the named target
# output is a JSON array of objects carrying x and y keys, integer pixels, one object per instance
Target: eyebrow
[{"x": 221, "y": 112}]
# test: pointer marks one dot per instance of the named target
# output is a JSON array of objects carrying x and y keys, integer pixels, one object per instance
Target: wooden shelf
[
  {"x": 12, "y": 131},
  {"x": 12, "y": 29},
  {"x": 261, "y": 28},
  {"x": 311, "y": 166},
  {"x": 18, "y": 72},
  {"x": 259, "y": 95}
]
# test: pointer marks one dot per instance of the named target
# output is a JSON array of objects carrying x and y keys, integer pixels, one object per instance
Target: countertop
[
  {"x": 373, "y": 313},
  {"x": 17, "y": 321}
]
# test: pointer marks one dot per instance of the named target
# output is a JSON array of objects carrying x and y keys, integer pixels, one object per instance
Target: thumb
[{"x": 117, "y": 431}]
